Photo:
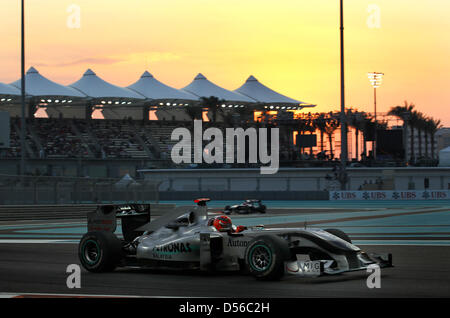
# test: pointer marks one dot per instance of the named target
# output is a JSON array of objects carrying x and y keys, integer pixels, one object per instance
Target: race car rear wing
[{"x": 132, "y": 216}]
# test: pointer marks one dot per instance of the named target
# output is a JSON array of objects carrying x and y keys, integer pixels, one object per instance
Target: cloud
[
  {"x": 150, "y": 57},
  {"x": 90, "y": 61},
  {"x": 147, "y": 57}
]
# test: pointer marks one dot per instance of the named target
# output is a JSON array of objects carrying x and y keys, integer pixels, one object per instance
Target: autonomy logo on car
[
  {"x": 237, "y": 243},
  {"x": 173, "y": 248}
]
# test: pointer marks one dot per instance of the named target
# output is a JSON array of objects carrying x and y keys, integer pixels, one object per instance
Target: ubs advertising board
[
  {"x": 390, "y": 195},
  {"x": 4, "y": 130}
]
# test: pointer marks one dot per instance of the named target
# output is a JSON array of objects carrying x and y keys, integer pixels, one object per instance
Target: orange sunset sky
[{"x": 291, "y": 46}]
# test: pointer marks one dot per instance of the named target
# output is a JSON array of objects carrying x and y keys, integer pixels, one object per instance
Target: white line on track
[
  {"x": 31, "y": 241},
  {"x": 48, "y": 295}
]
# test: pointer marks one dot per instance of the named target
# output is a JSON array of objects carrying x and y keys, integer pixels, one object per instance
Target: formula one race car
[
  {"x": 188, "y": 238},
  {"x": 247, "y": 207}
]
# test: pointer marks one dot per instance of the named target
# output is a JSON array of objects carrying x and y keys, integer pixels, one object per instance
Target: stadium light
[{"x": 375, "y": 79}]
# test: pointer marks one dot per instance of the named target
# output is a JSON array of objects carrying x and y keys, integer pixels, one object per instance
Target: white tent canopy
[
  {"x": 202, "y": 87},
  {"x": 261, "y": 93},
  {"x": 39, "y": 86},
  {"x": 151, "y": 88},
  {"x": 9, "y": 90},
  {"x": 9, "y": 95},
  {"x": 125, "y": 182},
  {"x": 95, "y": 87},
  {"x": 444, "y": 157}
]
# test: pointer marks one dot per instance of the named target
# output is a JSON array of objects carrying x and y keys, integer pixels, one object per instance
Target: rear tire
[
  {"x": 100, "y": 251},
  {"x": 265, "y": 256},
  {"x": 340, "y": 234}
]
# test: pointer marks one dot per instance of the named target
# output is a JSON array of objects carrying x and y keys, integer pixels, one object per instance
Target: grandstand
[{"x": 97, "y": 129}]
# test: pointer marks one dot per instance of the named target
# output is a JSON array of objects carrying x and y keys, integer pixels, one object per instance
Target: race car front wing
[{"x": 328, "y": 267}]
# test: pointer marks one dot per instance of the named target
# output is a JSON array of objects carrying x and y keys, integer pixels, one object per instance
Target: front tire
[
  {"x": 100, "y": 251},
  {"x": 265, "y": 256}
]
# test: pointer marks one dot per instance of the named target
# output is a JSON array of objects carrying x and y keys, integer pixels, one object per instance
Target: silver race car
[
  {"x": 188, "y": 238},
  {"x": 246, "y": 207}
]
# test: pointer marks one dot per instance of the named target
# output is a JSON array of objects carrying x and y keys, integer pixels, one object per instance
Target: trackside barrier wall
[
  {"x": 390, "y": 195},
  {"x": 242, "y": 195},
  {"x": 75, "y": 211}
]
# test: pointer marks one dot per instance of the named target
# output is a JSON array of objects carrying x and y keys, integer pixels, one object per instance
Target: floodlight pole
[
  {"x": 22, "y": 86},
  {"x": 375, "y": 116},
  {"x": 343, "y": 119},
  {"x": 375, "y": 79}
]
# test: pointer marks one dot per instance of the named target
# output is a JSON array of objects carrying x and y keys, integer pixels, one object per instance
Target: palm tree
[
  {"x": 426, "y": 129},
  {"x": 320, "y": 123},
  {"x": 420, "y": 126},
  {"x": 434, "y": 126},
  {"x": 332, "y": 123},
  {"x": 405, "y": 113},
  {"x": 245, "y": 113},
  {"x": 356, "y": 120},
  {"x": 194, "y": 112},
  {"x": 351, "y": 122},
  {"x": 369, "y": 130},
  {"x": 214, "y": 104},
  {"x": 413, "y": 123},
  {"x": 301, "y": 127},
  {"x": 310, "y": 128}
]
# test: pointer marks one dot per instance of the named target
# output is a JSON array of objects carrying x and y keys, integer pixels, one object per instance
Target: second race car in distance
[{"x": 247, "y": 207}]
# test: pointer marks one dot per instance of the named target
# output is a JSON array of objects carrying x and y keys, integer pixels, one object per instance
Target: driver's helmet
[{"x": 222, "y": 223}]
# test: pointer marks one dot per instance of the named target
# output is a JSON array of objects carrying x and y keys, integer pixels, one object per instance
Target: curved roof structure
[
  {"x": 95, "y": 87},
  {"x": 261, "y": 93},
  {"x": 38, "y": 85},
  {"x": 202, "y": 87},
  {"x": 151, "y": 88},
  {"x": 9, "y": 90}
]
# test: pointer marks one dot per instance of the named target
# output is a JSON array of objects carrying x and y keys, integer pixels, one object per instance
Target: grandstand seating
[
  {"x": 62, "y": 138},
  {"x": 107, "y": 139}
]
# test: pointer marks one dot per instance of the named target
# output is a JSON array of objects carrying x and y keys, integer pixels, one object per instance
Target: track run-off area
[{"x": 34, "y": 255}]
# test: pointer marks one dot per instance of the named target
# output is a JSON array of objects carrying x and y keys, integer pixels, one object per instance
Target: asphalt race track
[{"x": 34, "y": 257}]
